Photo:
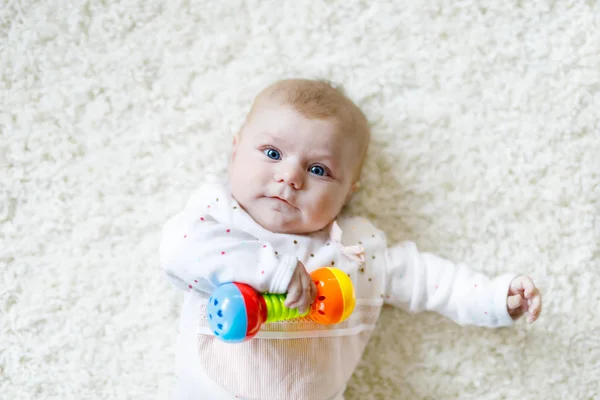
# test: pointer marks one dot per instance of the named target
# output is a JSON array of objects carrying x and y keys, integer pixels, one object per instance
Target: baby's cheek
[{"x": 329, "y": 206}]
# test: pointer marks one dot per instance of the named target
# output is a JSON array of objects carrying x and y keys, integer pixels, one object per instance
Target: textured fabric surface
[{"x": 485, "y": 150}]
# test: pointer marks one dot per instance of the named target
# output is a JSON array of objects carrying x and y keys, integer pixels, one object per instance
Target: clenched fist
[
  {"x": 523, "y": 297},
  {"x": 301, "y": 291}
]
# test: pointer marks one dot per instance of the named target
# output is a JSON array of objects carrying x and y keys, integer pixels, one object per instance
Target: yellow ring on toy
[{"x": 347, "y": 288}]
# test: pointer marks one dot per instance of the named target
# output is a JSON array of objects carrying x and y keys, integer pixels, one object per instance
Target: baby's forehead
[
  {"x": 286, "y": 123},
  {"x": 350, "y": 123},
  {"x": 280, "y": 112}
]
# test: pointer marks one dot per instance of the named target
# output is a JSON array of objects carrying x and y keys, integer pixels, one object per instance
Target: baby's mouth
[{"x": 283, "y": 200}]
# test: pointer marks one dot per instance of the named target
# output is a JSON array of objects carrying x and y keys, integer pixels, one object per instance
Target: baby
[{"x": 295, "y": 163}]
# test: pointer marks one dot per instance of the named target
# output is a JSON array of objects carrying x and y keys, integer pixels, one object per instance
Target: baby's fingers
[
  {"x": 522, "y": 285},
  {"x": 310, "y": 293},
  {"x": 302, "y": 303},
  {"x": 535, "y": 308},
  {"x": 294, "y": 292},
  {"x": 313, "y": 292},
  {"x": 514, "y": 302},
  {"x": 293, "y": 297},
  {"x": 528, "y": 286},
  {"x": 299, "y": 297},
  {"x": 305, "y": 302},
  {"x": 290, "y": 300}
]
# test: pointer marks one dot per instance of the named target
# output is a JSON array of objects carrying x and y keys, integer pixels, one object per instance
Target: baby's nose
[{"x": 290, "y": 174}]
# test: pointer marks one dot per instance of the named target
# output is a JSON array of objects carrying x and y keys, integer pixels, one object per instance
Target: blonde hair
[{"x": 319, "y": 100}]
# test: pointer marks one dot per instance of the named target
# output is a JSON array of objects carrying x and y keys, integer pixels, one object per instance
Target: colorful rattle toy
[{"x": 236, "y": 311}]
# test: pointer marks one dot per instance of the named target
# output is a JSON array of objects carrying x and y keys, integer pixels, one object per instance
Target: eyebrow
[{"x": 275, "y": 138}]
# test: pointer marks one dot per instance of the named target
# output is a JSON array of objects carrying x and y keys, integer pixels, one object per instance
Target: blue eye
[
  {"x": 318, "y": 170},
  {"x": 272, "y": 154}
]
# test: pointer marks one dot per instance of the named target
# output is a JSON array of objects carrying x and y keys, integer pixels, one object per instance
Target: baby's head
[{"x": 298, "y": 157}]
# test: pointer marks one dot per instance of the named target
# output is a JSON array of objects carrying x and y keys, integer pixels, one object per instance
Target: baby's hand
[
  {"x": 524, "y": 297},
  {"x": 301, "y": 291}
]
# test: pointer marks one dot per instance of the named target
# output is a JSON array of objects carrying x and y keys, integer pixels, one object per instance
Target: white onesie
[{"x": 213, "y": 240}]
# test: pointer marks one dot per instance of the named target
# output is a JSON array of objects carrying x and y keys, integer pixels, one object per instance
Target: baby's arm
[
  {"x": 199, "y": 253},
  {"x": 424, "y": 282}
]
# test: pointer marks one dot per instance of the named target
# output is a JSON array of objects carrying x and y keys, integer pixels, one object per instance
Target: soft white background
[{"x": 486, "y": 141}]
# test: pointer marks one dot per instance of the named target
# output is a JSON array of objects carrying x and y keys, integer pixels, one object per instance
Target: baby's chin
[
  {"x": 280, "y": 218},
  {"x": 277, "y": 222}
]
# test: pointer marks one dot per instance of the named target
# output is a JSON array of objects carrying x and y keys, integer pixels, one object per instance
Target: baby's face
[{"x": 290, "y": 173}]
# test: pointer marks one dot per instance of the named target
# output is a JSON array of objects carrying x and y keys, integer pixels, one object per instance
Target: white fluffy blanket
[{"x": 486, "y": 150}]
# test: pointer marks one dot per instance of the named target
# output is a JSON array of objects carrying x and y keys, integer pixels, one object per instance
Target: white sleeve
[
  {"x": 199, "y": 253},
  {"x": 424, "y": 282}
]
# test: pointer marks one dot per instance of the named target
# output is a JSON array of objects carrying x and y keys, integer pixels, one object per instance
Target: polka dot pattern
[{"x": 367, "y": 271}]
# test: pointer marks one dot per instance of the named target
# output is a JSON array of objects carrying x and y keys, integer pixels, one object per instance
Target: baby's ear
[
  {"x": 354, "y": 188},
  {"x": 235, "y": 142}
]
